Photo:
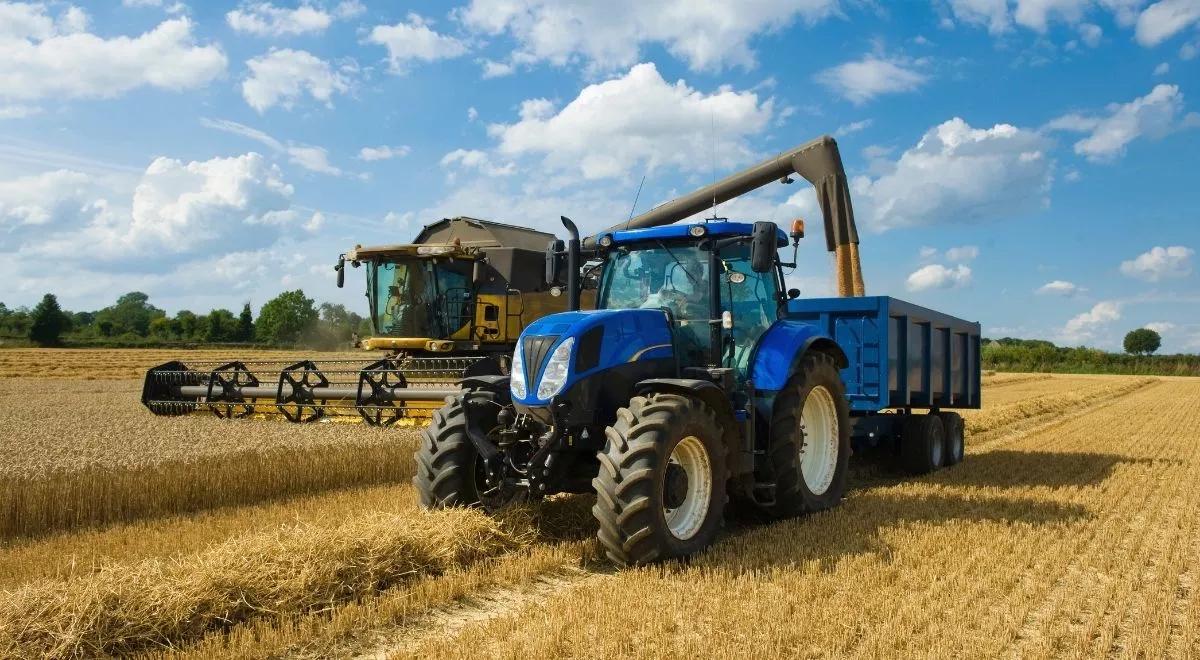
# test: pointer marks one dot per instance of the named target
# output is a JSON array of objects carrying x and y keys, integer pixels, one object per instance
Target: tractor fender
[
  {"x": 488, "y": 383},
  {"x": 783, "y": 346},
  {"x": 706, "y": 391}
]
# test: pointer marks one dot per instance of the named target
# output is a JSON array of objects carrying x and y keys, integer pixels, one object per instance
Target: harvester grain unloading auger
[
  {"x": 448, "y": 306},
  {"x": 820, "y": 163}
]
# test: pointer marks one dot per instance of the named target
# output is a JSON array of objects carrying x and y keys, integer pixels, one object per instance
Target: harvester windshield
[{"x": 420, "y": 296}]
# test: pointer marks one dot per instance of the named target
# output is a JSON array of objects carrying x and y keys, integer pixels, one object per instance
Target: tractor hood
[{"x": 601, "y": 340}]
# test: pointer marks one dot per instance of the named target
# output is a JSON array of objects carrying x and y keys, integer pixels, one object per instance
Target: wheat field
[{"x": 1071, "y": 529}]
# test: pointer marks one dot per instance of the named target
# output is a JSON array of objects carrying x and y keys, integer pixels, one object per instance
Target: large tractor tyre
[
  {"x": 922, "y": 443},
  {"x": 661, "y": 487},
  {"x": 810, "y": 439},
  {"x": 955, "y": 443},
  {"x": 449, "y": 470}
]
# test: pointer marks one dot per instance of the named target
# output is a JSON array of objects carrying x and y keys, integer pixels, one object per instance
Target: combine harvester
[
  {"x": 449, "y": 305},
  {"x": 699, "y": 379}
]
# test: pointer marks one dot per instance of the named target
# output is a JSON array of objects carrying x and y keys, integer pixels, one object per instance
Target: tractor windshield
[
  {"x": 420, "y": 297},
  {"x": 658, "y": 275}
]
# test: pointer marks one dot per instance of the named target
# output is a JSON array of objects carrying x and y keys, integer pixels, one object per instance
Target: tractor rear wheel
[
  {"x": 922, "y": 443},
  {"x": 449, "y": 469},
  {"x": 810, "y": 439},
  {"x": 661, "y": 487}
]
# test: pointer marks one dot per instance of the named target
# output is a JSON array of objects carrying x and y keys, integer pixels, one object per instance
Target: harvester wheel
[
  {"x": 810, "y": 439},
  {"x": 449, "y": 470},
  {"x": 922, "y": 443},
  {"x": 661, "y": 488},
  {"x": 952, "y": 424}
]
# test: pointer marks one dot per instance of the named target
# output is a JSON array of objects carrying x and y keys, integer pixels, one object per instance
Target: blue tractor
[{"x": 699, "y": 380}]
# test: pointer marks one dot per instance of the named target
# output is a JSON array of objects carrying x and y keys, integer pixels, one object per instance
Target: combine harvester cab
[
  {"x": 700, "y": 379},
  {"x": 448, "y": 306}
]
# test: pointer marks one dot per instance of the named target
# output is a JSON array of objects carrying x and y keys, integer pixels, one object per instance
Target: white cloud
[
  {"x": 414, "y": 41},
  {"x": 937, "y": 276},
  {"x": 853, "y": 127},
  {"x": 707, "y": 34},
  {"x": 990, "y": 13},
  {"x": 1161, "y": 327},
  {"x": 1037, "y": 14},
  {"x": 1091, "y": 34},
  {"x": 1160, "y": 263},
  {"x": 313, "y": 158},
  {"x": 42, "y": 199},
  {"x": 859, "y": 81},
  {"x": 472, "y": 114},
  {"x": 264, "y": 19},
  {"x": 18, "y": 111},
  {"x": 494, "y": 69},
  {"x": 1162, "y": 69},
  {"x": 47, "y": 57},
  {"x": 383, "y": 152},
  {"x": 169, "y": 7},
  {"x": 962, "y": 253},
  {"x": 1060, "y": 288},
  {"x": 309, "y": 157},
  {"x": 1082, "y": 328},
  {"x": 175, "y": 208},
  {"x": 637, "y": 122},
  {"x": 957, "y": 174},
  {"x": 477, "y": 160},
  {"x": 282, "y": 77},
  {"x": 1154, "y": 115},
  {"x": 928, "y": 253},
  {"x": 1163, "y": 20}
]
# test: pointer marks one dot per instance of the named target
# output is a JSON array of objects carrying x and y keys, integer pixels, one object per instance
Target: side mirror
[
  {"x": 793, "y": 294},
  {"x": 553, "y": 261},
  {"x": 341, "y": 271},
  {"x": 764, "y": 243}
]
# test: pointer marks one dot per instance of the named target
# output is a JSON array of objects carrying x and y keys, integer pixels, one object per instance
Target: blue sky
[{"x": 1030, "y": 164}]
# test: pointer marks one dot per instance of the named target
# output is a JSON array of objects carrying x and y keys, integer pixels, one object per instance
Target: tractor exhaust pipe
[{"x": 820, "y": 163}]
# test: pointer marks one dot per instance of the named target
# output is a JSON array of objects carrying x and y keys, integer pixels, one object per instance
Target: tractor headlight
[
  {"x": 555, "y": 374},
  {"x": 516, "y": 376}
]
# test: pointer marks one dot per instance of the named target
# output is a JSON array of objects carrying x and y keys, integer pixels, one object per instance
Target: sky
[{"x": 1029, "y": 164}]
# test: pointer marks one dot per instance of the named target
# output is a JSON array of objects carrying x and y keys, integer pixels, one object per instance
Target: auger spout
[{"x": 820, "y": 163}]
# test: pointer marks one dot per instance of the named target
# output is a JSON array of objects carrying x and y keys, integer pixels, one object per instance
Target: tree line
[
  {"x": 1010, "y": 354},
  {"x": 289, "y": 319}
]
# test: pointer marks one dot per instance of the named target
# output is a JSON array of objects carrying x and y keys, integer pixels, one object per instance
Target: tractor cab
[{"x": 701, "y": 275}]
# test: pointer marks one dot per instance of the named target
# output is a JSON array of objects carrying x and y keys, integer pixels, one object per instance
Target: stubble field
[{"x": 1071, "y": 529}]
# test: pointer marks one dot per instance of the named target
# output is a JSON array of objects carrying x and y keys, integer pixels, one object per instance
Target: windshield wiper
[{"x": 677, "y": 261}]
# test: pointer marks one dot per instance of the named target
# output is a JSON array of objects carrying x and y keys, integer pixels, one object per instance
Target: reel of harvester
[{"x": 393, "y": 390}]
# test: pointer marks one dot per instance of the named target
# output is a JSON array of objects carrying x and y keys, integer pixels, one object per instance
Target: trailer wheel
[
  {"x": 810, "y": 439},
  {"x": 660, "y": 491},
  {"x": 449, "y": 471},
  {"x": 952, "y": 425},
  {"x": 922, "y": 443}
]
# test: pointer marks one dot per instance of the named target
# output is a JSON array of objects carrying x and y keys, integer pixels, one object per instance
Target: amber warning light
[{"x": 797, "y": 229}]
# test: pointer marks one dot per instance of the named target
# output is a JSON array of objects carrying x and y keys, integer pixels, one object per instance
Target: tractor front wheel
[
  {"x": 661, "y": 488},
  {"x": 449, "y": 469}
]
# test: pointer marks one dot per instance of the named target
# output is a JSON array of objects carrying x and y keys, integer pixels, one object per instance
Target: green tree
[
  {"x": 221, "y": 325},
  {"x": 49, "y": 322},
  {"x": 245, "y": 324},
  {"x": 189, "y": 325},
  {"x": 1142, "y": 341},
  {"x": 131, "y": 314},
  {"x": 285, "y": 317}
]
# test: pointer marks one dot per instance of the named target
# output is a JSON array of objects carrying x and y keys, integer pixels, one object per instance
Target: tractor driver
[{"x": 684, "y": 292}]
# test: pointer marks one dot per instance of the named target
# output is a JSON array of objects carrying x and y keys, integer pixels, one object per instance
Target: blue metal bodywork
[
  {"x": 629, "y": 335},
  {"x": 719, "y": 228},
  {"x": 778, "y": 351},
  {"x": 900, "y": 354}
]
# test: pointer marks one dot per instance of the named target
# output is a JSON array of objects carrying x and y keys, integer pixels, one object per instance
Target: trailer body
[{"x": 899, "y": 355}]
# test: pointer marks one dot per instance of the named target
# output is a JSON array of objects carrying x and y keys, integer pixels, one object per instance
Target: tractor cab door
[{"x": 752, "y": 299}]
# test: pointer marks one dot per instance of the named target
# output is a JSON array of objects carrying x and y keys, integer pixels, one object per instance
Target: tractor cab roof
[{"x": 716, "y": 228}]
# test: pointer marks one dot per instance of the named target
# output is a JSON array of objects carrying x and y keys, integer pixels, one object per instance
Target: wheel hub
[{"x": 675, "y": 488}]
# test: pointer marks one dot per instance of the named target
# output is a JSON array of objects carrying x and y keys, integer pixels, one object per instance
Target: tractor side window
[{"x": 753, "y": 301}]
